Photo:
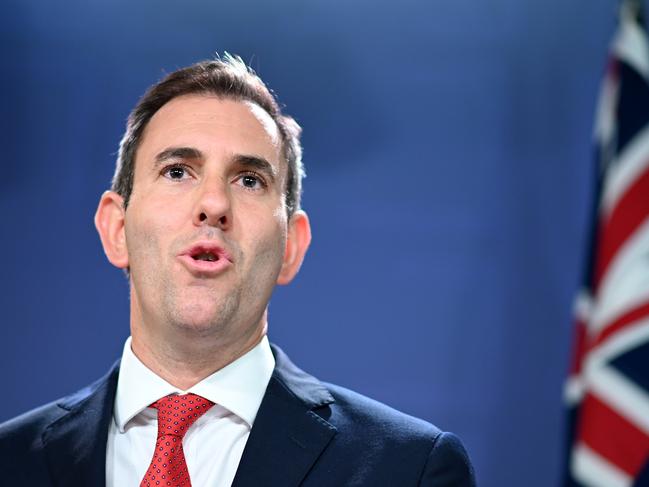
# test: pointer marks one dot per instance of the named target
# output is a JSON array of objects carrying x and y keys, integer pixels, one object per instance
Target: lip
[{"x": 205, "y": 267}]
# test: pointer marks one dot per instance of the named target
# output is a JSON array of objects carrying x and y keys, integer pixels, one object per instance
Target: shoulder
[
  {"x": 22, "y": 445},
  {"x": 25, "y": 431},
  {"x": 368, "y": 443},
  {"x": 348, "y": 410},
  {"x": 351, "y": 409},
  {"x": 399, "y": 439}
]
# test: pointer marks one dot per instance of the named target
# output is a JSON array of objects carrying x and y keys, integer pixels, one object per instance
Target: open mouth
[{"x": 205, "y": 256}]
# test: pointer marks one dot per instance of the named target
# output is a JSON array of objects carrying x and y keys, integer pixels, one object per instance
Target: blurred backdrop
[{"x": 448, "y": 151}]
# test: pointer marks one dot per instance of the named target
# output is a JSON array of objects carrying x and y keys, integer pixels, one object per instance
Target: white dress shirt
[{"x": 213, "y": 445}]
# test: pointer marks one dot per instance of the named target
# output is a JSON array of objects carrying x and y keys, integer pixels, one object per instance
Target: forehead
[{"x": 211, "y": 124}]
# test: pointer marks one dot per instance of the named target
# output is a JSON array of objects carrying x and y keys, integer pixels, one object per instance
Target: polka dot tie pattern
[{"x": 175, "y": 415}]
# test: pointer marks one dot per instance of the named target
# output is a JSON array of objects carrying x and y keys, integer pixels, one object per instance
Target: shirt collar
[{"x": 239, "y": 386}]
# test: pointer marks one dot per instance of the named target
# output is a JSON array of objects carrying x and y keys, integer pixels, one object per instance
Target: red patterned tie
[{"x": 175, "y": 415}]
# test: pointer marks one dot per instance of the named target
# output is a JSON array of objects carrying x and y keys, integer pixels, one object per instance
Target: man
[{"x": 204, "y": 217}]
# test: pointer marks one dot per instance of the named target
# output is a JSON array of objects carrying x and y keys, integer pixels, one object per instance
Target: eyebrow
[
  {"x": 247, "y": 161},
  {"x": 178, "y": 153},
  {"x": 258, "y": 163}
]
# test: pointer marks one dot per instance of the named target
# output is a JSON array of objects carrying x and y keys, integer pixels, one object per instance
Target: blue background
[{"x": 448, "y": 150}]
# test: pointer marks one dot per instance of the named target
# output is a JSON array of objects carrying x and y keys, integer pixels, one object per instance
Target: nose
[{"x": 213, "y": 206}]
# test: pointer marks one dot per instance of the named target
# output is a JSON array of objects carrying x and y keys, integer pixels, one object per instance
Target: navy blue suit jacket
[{"x": 306, "y": 433}]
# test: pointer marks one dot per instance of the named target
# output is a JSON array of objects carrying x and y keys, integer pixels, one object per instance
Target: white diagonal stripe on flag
[
  {"x": 630, "y": 44},
  {"x": 626, "y": 284},
  {"x": 620, "y": 394},
  {"x": 621, "y": 342},
  {"x": 574, "y": 389},
  {"x": 631, "y": 162},
  {"x": 594, "y": 471}
]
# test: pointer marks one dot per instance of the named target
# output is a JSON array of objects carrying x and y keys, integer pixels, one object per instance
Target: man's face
[{"x": 206, "y": 226}]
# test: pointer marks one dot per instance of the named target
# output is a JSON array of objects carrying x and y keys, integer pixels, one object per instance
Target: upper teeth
[{"x": 206, "y": 256}]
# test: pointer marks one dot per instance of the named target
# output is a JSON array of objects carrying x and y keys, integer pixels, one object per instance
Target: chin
[{"x": 201, "y": 319}]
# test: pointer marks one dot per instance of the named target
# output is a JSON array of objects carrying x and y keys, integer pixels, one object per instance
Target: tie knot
[{"x": 177, "y": 413}]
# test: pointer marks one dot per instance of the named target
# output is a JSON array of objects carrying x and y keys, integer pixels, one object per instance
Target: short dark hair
[{"x": 227, "y": 77}]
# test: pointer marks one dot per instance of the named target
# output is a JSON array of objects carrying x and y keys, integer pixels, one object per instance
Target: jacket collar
[
  {"x": 288, "y": 435},
  {"x": 75, "y": 444}
]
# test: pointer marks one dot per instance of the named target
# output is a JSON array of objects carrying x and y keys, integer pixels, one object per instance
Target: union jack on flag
[{"x": 608, "y": 386}]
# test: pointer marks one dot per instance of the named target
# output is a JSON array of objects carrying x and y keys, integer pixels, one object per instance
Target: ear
[
  {"x": 297, "y": 243},
  {"x": 109, "y": 221}
]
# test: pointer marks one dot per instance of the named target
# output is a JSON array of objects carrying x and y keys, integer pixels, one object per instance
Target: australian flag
[{"x": 607, "y": 390}]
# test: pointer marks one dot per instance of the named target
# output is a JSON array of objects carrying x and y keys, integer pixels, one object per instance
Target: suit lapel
[
  {"x": 75, "y": 444},
  {"x": 288, "y": 436},
  {"x": 286, "y": 440}
]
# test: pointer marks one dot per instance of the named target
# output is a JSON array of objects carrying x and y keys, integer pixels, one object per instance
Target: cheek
[
  {"x": 270, "y": 249},
  {"x": 141, "y": 242},
  {"x": 261, "y": 235},
  {"x": 148, "y": 228}
]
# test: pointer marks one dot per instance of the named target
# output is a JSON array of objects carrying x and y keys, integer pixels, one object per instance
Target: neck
[{"x": 185, "y": 360}]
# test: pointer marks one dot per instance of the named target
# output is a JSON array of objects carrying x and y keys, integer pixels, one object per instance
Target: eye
[
  {"x": 252, "y": 181},
  {"x": 176, "y": 172}
]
